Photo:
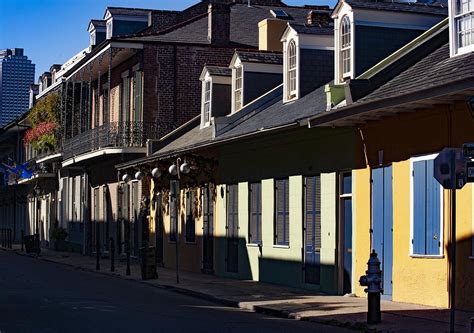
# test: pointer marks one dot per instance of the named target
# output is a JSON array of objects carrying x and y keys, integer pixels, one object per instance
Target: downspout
[{"x": 361, "y": 133}]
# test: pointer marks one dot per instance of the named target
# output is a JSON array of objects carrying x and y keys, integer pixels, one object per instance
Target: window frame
[
  {"x": 292, "y": 70},
  {"x": 456, "y": 14},
  {"x": 286, "y": 224},
  {"x": 412, "y": 206},
  {"x": 305, "y": 208},
  {"x": 238, "y": 88},
  {"x": 345, "y": 49},
  {"x": 206, "y": 101}
]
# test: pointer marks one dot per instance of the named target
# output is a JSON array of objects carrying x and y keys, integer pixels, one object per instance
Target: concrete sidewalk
[{"x": 278, "y": 300}]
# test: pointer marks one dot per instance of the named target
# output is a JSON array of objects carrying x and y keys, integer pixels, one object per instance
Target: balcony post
[
  {"x": 107, "y": 119},
  {"x": 73, "y": 106},
  {"x": 81, "y": 97}
]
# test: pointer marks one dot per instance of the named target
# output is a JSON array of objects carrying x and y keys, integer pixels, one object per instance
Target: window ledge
[
  {"x": 281, "y": 246},
  {"x": 424, "y": 256},
  {"x": 253, "y": 245}
]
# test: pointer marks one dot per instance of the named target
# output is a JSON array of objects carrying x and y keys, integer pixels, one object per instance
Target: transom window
[
  {"x": 207, "y": 102},
  {"x": 464, "y": 23},
  {"x": 238, "y": 89},
  {"x": 292, "y": 69},
  {"x": 345, "y": 46}
]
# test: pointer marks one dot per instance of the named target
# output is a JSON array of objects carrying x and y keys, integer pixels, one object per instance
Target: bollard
[
  {"x": 373, "y": 281},
  {"x": 22, "y": 240},
  {"x": 97, "y": 247},
  {"x": 112, "y": 254}
]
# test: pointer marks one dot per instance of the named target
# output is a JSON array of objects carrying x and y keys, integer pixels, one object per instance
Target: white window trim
[
  {"x": 234, "y": 88},
  {"x": 288, "y": 96},
  {"x": 203, "y": 99},
  {"x": 453, "y": 32},
  {"x": 339, "y": 77},
  {"x": 292, "y": 94},
  {"x": 441, "y": 207}
]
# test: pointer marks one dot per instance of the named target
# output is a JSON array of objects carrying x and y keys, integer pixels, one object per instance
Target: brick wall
[{"x": 172, "y": 90}]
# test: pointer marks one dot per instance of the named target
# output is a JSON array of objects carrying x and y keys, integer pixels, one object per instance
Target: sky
[{"x": 52, "y": 31}]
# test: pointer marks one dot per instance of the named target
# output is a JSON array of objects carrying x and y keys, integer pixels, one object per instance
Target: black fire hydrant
[{"x": 373, "y": 281}]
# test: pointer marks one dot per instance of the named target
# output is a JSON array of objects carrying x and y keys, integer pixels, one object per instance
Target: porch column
[
  {"x": 89, "y": 100},
  {"x": 73, "y": 106},
  {"x": 107, "y": 118},
  {"x": 81, "y": 97}
]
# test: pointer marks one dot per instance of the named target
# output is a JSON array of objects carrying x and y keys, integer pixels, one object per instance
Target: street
[{"x": 38, "y": 296}]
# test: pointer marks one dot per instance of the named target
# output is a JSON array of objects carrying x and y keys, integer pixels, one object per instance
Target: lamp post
[
  {"x": 176, "y": 169},
  {"x": 126, "y": 178}
]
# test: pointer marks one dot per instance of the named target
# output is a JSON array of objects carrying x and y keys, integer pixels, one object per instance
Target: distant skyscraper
[{"x": 16, "y": 75}]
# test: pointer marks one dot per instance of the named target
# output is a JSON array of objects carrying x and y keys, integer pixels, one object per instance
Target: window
[
  {"x": 426, "y": 208},
  {"x": 232, "y": 211},
  {"x": 464, "y": 25},
  {"x": 174, "y": 206},
  {"x": 282, "y": 215},
  {"x": 345, "y": 47},
  {"x": 125, "y": 94},
  {"x": 292, "y": 69},
  {"x": 190, "y": 222},
  {"x": 312, "y": 214},
  {"x": 238, "y": 89},
  {"x": 109, "y": 29},
  {"x": 255, "y": 213},
  {"x": 207, "y": 102},
  {"x": 137, "y": 96}
]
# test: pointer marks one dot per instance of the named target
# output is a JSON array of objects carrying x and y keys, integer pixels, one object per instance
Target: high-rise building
[{"x": 16, "y": 74}]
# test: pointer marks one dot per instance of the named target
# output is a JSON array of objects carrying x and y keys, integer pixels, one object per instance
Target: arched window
[
  {"x": 292, "y": 69},
  {"x": 345, "y": 56}
]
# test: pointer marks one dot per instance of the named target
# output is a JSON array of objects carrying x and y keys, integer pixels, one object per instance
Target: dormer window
[
  {"x": 207, "y": 103},
  {"x": 238, "y": 89},
  {"x": 462, "y": 21},
  {"x": 292, "y": 69},
  {"x": 109, "y": 29},
  {"x": 345, "y": 56}
]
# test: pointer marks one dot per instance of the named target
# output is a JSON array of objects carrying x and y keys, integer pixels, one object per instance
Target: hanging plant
[{"x": 44, "y": 119}]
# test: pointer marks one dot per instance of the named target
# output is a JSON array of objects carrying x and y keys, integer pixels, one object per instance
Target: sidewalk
[{"x": 278, "y": 300}]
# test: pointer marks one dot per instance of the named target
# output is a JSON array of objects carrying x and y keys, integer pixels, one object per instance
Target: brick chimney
[
  {"x": 218, "y": 27},
  {"x": 319, "y": 17}
]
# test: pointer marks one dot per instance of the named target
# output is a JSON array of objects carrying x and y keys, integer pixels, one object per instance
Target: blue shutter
[
  {"x": 433, "y": 217},
  {"x": 377, "y": 210},
  {"x": 419, "y": 207}
]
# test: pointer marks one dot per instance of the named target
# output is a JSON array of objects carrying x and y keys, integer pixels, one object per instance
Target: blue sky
[{"x": 52, "y": 31}]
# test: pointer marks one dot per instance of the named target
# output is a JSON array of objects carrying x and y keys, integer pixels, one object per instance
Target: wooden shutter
[
  {"x": 433, "y": 216},
  {"x": 255, "y": 217},
  {"x": 190, "y": 223},
  {"x": 174, "y": 193},
  {"x": 232, "y": 211},
  {"x": 282, "y": 213},
  {"x": 313, "y": 213},
  {"x": 419, "y": 207}
]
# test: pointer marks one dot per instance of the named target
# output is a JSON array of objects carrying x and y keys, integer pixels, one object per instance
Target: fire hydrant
[{"x": 373, "y": 281}]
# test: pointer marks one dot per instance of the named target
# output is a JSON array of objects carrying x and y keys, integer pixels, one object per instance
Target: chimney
[
  {"x": 269, "y": 33},
  {"x": 319, "y": 18},
  {"x": 218, "y": 27}
]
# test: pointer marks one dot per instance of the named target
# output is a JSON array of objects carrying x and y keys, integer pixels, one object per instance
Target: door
[
  {"x": 345, "y": 224},
  {"x": 232, "y": 229},
  {"x": 208, "y": 231},
  {"x": 382, "y": 224},
  {"x": 312, "y": 230},
  {"x": 159, "y": 230}
]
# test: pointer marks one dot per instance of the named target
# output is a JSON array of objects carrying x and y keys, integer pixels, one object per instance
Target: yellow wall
[{"x": 417, "y": 280}]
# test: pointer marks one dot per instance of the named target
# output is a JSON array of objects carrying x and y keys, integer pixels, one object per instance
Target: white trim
[
  {"x": 393, "y": 25},
  {"x": 234, "y": 89},
  {"x": 102, "y": 152},
  {"x": 441, "y": 207},
  {"x": 49, "y": 157},
  {"x": 287, "y": 95},
  {"x": 206, "y": 80}
]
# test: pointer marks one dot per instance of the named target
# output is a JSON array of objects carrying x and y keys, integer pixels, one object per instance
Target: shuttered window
[
  {"x": 426, "y": 210},
  {"x": 313, "y": 213},
  {"x": 282, "y": 221},
  {"x": 190, "y": 222},
  {"x": 137, "y": 95},
  {"x": 174, "y": 193},
  {"x": 232, "y": 211},
  {"x": 255, "y": 213}
]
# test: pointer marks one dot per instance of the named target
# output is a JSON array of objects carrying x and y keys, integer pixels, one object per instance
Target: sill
[
  {"x": 426, "y": 256},
  {"x": 281, "y": 246},
  {"x": 254, "y": 244}
]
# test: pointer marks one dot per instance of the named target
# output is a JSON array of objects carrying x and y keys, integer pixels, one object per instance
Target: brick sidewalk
[{"x": 278, "y": 300}]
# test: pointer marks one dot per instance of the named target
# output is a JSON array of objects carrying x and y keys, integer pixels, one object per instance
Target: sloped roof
[
  {"x": 411, "y": 7},
  {"x": 127, "y": 11},
  {"x": 260, "y": 57},
  {"x": 243, "y": 26},
  {"x": 218, "y": 70},
  {"x": 312, "y": 29}
]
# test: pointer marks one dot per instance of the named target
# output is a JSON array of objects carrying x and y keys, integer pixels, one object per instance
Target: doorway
[{"x": 345, "y": 232}]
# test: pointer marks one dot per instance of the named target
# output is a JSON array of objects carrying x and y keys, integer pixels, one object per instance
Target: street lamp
[{"x": 126, "y": 178}]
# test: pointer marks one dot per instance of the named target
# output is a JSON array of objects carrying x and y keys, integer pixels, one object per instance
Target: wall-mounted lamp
[
  {"x": 139, "y": 175},
  {"x": 156, "y": 173},
  {"x": 126, "y": 178},
  {"x": 173, "y": 170},
  {"x": 185, "y": 168}
]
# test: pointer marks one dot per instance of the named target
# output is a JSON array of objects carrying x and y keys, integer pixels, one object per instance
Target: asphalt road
[{"x": 38, "y": 296}]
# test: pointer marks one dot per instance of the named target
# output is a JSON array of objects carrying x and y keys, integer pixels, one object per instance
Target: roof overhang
[
  {"x": 361, "y": 113},
  {"x": 105, "y": 153}
]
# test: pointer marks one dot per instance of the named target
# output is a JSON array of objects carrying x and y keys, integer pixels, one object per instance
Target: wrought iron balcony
[{"x": 115, "y": 135}]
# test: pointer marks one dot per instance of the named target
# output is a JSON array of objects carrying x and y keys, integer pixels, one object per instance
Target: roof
[
  {"x": 306, "y": 29},
  {"x": 260, "y": 57},
  {"x": 97, "y": 23},
  {"x": 243, "y": 26},
  {"x": 411, "y": 7},
  {"x": 218, "y": 70},
  {"x": 127, "y": 11}
]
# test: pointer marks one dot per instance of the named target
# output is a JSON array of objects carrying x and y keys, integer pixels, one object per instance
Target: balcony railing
[{"x": 115, "y": 135}]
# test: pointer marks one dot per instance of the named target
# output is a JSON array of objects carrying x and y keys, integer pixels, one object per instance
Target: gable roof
[
  {"x": 306, "y": 29},
  {"x": 260, "y": 56},
  {"x": 436, "y": 8},
  {"x": 126, "y": 11},
  {"x": 218, "y": 70}
]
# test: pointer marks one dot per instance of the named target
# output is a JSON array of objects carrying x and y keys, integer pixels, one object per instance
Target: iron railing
[{"x": 115, "y": 134}]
